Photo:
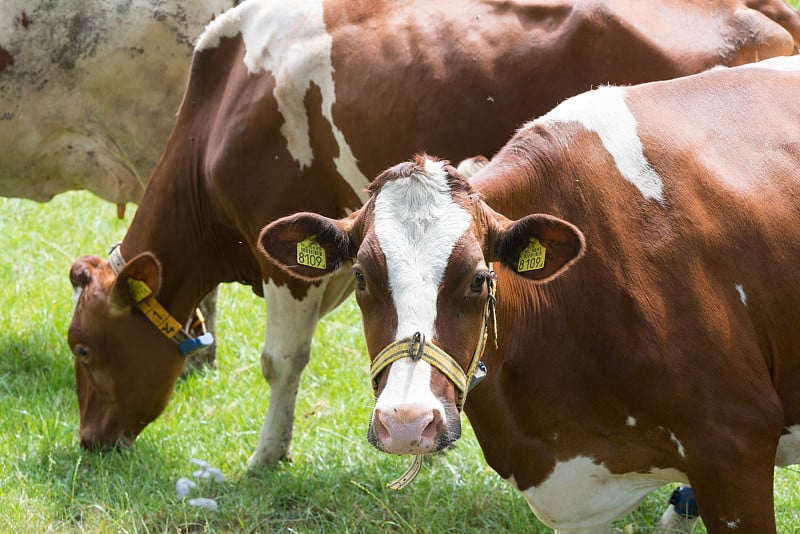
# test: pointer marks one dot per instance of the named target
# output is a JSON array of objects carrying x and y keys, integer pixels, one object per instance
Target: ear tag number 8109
[
  {"x": 310, "y": 253},
  {"x": 532, "y": 257}
]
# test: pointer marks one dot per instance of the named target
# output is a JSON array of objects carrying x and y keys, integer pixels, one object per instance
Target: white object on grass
[
  {"x": 183, "y": 486},
  {"x": 202, "y": 502}
]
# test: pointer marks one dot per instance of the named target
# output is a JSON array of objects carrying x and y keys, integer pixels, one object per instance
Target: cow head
[
  {"x": 125, "y": 369},
  {"x": 420, "y": 253}
]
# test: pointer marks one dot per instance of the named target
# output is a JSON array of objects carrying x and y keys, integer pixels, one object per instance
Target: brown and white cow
[
  {"x": 287, "y": 109},
  {"x": 645, "y": 242},
  {"x": 89, "y": 91}
]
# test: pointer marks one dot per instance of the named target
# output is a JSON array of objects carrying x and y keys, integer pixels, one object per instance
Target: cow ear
[
  {"x": 85, "y": 270},
  {"x": 539, "y": 247},
  {"x": 142, "y": 269},
  {"x": 309, "y": 246}
]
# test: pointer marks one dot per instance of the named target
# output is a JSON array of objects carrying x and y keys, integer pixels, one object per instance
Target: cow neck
[
  {"x": 172, "y": 231},
  {"x": 540, "y": 325}
]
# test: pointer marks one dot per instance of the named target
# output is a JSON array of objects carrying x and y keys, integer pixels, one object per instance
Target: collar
[{"x": 155, "y": 313}]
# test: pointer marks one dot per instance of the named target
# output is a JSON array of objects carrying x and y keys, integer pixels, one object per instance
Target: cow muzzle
[
  {"x": 409, "y": 429},
  {"x": 417, "y": 426},
  {"x": 94, "y": 441}
]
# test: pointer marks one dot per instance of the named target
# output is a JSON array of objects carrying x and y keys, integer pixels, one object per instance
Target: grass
[{"x": 335, "y": 482}]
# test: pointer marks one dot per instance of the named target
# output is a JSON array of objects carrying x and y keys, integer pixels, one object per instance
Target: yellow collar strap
[
  {"x": 416, "y": 348},
  {"x": 167, "y": 324}
]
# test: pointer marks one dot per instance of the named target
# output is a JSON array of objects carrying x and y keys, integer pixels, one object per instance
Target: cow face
[
  {"x": 419, "y": 251},
  {"x": 125, "y": 369}
]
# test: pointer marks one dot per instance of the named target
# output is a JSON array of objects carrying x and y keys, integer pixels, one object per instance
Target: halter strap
[
  {"x": 428, "y": 352},
  {"x": 142, "y": 294}
]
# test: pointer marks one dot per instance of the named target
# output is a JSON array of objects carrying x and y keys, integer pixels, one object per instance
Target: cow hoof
[{"x": 257, "y": 461}]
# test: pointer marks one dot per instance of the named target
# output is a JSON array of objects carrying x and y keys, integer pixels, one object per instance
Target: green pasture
[{"x": 336, "y": 480}]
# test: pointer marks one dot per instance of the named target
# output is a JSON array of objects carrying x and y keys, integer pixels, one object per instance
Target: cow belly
[
  {"x": 582, "y": 494},
  {"x": 789, "y": 447}
]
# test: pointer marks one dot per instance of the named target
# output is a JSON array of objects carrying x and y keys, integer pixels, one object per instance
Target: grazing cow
[
  {"x": 287, "y": 109},
  {"x": 646, "y": 298},
  {"x": 89, "y": 90}
]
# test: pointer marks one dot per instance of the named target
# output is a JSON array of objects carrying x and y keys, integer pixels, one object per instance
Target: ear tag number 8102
[
  {"x": 532, "y": 257},
  {"x": 310, "y": 253}
]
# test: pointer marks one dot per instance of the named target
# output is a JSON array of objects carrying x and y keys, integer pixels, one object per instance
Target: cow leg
[
  {"x": 287, "y": 348},
  {"x": 741, "y": 508},
  {"x": 735, "y": 491}
]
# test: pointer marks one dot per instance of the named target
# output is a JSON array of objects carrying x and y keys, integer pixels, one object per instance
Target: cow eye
[
  {"x": 479, "y": 281},
  {"x": 361, "y": 283},
  {"x": 82, "y": 353}
]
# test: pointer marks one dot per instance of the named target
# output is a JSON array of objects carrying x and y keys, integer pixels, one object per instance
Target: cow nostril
[
  {"x": 432, "y": 429},
  {"x": 379, "y": 426}
]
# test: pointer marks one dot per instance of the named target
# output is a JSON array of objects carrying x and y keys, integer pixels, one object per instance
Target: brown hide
[
  {"x": 660, "y": 346},
  {"x": 263, "y": 133}
]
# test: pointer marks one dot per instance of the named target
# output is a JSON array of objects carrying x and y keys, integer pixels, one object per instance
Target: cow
[
  {"x": 89, "y": 91},
  {"x": 633, "y": 252},
  {"x": 286, "y": 110},
  {"x": 88, "y": 94}
]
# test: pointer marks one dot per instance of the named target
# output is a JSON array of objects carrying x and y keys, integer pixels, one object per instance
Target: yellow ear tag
[
  {"x": 139, "y": 290},
  {"x": 310, "y": 253},
  {"x": 532, "y": 257}
]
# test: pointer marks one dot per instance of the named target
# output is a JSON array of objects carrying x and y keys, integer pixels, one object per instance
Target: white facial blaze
[
  {"x": 604, "y": 112},
  {"x": 417, "y": 225},
  {"x": 290, "y": 40}
]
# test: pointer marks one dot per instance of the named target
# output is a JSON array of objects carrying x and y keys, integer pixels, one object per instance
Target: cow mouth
[{"x": 99, "y": 446}]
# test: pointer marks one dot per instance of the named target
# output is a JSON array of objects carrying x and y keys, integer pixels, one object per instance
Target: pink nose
[{"x": 408, "y": 429}]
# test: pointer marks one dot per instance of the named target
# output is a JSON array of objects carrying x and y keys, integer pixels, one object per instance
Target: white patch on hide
[
  {"x": 604, "y": 112},
  {"x": 290, "y": 40},
  {"x": 742, "y": 295},
  {"x": 417, "y": 225},
  {"x": 677, "y": 442},
  {"x": 77, "y": 292},
  {"x": 780, "y": 63},
  {"x": 582, "y": 494}
]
